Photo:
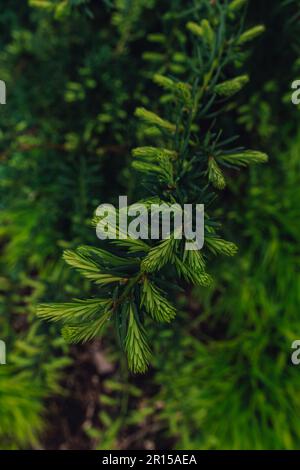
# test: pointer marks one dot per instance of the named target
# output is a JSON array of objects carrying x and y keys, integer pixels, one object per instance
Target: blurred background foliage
[{"x": 75, "y": 71}]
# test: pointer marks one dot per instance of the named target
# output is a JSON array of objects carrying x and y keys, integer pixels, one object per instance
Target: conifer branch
[{"x": 177, "y": 167}]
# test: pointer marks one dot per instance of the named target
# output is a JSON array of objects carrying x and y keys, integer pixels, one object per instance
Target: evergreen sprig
[{"x": 186, "y": 155}]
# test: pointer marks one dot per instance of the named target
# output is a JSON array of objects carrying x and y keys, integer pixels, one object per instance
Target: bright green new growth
[
  {"x": 195, "y": 28},
  {"x": 180, "y": 90},
  {"x": 60, "y": 8},
  {"x": 251, "y": 34},
  {"x": 177, "y": 168},
  {"x": 153, "y": 119},
  {"x": 231, "y": 87},
  {"x": 21, "y": 413},
  {"x": 248, "y": 157},
  {"x": 136, "y": 342},
  {"x": 237, "y": 5},
  {"x": 153, "y": 153},
  {"x": 155, "y": 303},
  {"x": 204, "y": 30}
]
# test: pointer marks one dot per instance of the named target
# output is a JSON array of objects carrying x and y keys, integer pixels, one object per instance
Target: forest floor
[{"x": 70, "y": 416}]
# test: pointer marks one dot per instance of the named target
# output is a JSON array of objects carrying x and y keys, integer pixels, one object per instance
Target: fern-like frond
[{"x": 136, "y": 342}]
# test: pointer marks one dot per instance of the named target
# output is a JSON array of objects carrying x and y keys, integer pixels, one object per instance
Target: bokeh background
[{"x": 221, "y": 376}]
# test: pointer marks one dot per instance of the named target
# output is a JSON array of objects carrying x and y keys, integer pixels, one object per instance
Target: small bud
[
  {"x": 247, "y": 157},
  {"x": 236, "y": 5},
  {"x": 208, "y": 33},
  {"x": 153, "y": 57},
  {"x": 154, "y": 120},
  {"x": 195, "y": 28},
  {"x": 231, "y": 87},
  {"x": 215, "y": 174},
  {"x": 180, "y": 90},
  {"x": 157, "y": 37},
  {"x": 62, "y": 9},
  {"x": 204, "y": 31}
]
